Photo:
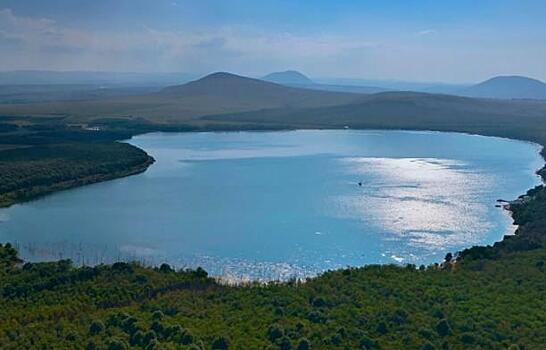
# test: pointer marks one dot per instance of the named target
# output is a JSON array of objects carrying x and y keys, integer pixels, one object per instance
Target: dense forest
[{"x": 37, "y": 161}]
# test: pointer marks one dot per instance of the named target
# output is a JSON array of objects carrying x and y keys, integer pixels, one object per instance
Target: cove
[{"x": 275, "y": 205}]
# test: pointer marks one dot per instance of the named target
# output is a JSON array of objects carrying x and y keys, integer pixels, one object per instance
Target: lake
[{"x": 267, "y": 205}]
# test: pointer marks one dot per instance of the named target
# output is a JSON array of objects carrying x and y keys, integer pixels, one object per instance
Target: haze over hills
[
  {"x": 225, "y": 97},
  {"x": 502, "y": 87},
  {"x": 409, "y": 110},
  {"x": 508, "y": 87},
  {"x": 216, "y": 93},
  {"x": 42, "y": 77},
  {"x": 289, "y": 77},
  {"x": 298, "y": 79}
]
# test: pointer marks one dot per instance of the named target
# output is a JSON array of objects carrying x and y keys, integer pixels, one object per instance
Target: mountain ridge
[{"x": 508, "y": 87}]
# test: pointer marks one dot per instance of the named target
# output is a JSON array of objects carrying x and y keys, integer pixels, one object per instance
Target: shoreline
[
  {"x": 80, "y": 182},
  {"x": 144, "y": 166},
  {"x": 45, "y": 169}
]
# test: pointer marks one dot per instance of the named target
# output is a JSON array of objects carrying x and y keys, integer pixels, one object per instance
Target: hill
[
  {"x": 508, "y": 87},
  {"x": 217, "y": 93},
  {"x": 289, "y": 77},
  {"x": 297, "y": 79},
  {"x": 412, "y": 110}
]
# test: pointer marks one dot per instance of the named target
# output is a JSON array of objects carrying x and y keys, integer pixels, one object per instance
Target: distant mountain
[
  {"x": 508, "y": 87},
  {"x": 394, "y": 85},
  {"x": 407, "y": 110},
  {"x": 297, "y": 79},
  {"x": 289, "y": 77},
  {"x": 223, "y": 91},
  {"x": 214, "y": 94}
]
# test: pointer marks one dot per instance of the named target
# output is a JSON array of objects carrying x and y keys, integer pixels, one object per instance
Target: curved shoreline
[
  {"x": 540, "y": 172},
  {"x": 42, "y": 170},
  {"x": 139, "y": 169}
]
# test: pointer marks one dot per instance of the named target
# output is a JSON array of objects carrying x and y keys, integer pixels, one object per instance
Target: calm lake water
[{"x": 268, "y": 205}]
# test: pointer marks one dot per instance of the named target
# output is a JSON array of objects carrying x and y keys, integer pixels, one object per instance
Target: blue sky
[{"x": 418, "y": 40}]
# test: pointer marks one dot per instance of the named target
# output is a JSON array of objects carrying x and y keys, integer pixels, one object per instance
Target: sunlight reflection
[{"x": 427, "y": 202}]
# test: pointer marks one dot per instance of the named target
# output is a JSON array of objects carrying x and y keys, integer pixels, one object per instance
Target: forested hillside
[
  {"x": 26, "y": 173},
  {"x": 37, "y": 159}
]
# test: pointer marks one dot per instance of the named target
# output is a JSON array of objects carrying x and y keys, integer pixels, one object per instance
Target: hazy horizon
[{"x": 425, "y": 41}]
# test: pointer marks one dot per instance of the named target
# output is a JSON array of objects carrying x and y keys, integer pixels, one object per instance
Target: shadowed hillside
[{"x": 403, "y": 110}]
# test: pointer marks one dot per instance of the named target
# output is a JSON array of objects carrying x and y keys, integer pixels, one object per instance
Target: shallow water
[{"x": 266, "y": 205}]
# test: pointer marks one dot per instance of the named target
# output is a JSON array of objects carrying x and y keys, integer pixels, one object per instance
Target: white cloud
[
  {"x": 426, "y": 32},
  {"x": 46, "y": 44},
  {"x": 42, "y": 43}
]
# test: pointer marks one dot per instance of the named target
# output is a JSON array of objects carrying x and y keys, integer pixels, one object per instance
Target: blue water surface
[{"x": 267, "y": 205}]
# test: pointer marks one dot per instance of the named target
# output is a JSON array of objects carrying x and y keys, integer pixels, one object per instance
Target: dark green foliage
[
  {"x": 220, "y": 343},
  {"x": 117, "y": 345},
  {"x": 428, "y": 346},
  {"x": 275, "y": 332},
  {"x": 26, "y": 173},
  {"x": 368, "y": 343},
  {"x": 96, "y": 327},
  {"x": 157, "y": 315},
  {"x": 8, "y": 256},
  {"x": 165, "y": 268},
  {"x": 382, "y": 328},
  {"x": 284, "y": 343},
  {"x": 304, "y": 344},
  {"x": 443, "y": 328}
]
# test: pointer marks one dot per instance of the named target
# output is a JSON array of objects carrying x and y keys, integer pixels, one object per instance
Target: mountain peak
[
  {"x": 221, "y": 75},
  {"x": 288, "y": 77},
  {"x": 512, "y": 80},
  {"x": 219, "y": 83},
  {"x": 508, "y": 87}
]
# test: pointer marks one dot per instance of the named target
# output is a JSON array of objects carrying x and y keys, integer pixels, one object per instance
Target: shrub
[
  {"x": 117, "y": 344},
  {"x": 220, "y": 343},
  {"x": 157, "y": 315},
  {"x": 96, "y": 327},
  {"x": 468, "y": 338},
  {"x": 304, "y": 344},
  {"x": 367, "y": 343},
  {"x": 382, "y": 328},
  {"x": 443, "y": 328},
  {"x": 428, "y": 346},
  {"x": 165, "y": 268},
  {"x": 284, "y": 343},
  {"x": 275, "y": 332},
  {"x": 137, "y": 338},
  {"x": 318, "y": 302}
]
